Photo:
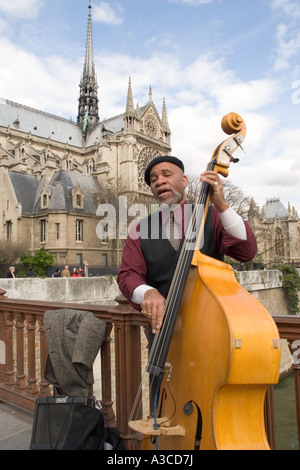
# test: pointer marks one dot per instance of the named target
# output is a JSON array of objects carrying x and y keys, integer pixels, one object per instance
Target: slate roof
[
  {"x": 41, "y": 124},
  {"x": 45, "y": 125},
  {"x": 28, "y": 192},
  {"x": 112, "y": 125},
  {"x": 62, "y": 184},
  {"x": 274, "y": 208},
  {"x": 25, "y": 187}
]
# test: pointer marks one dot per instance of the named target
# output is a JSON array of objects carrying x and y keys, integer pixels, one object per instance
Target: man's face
[{"x": 168, "y": 183}]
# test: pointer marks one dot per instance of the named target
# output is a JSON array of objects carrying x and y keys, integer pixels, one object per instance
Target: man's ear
[{"x": 185, "y": 180}]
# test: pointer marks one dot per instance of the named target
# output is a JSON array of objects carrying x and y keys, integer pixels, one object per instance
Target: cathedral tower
[{"x": 88, "y": 114}]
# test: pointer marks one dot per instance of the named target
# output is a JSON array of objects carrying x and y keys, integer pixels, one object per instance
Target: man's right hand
[{"x": 153, "y": 307}]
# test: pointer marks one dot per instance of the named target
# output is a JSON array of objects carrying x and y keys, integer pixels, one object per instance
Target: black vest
[{"x": 160, "y": 256}]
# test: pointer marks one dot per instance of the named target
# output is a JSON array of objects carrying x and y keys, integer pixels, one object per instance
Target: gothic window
[
  {"x": 151, "y": 127},
  {"x": 69, "y": 164},
  {"x": 90, "y": 167},
  {"x": 279, "y": 242},
  {"x": 145, "y": 156}
]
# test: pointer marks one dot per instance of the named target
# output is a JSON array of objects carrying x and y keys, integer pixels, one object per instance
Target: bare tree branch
[{"x": 233, "y": 195}]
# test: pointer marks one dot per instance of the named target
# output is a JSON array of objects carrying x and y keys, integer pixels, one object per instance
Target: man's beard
[{"x": 177, "y": 197}]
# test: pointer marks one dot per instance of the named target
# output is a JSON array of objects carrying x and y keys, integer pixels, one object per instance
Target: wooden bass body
[{"x": 224, "y": 354}]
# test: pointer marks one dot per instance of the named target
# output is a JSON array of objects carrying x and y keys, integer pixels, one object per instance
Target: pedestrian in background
[
  {"x": 11, "y": 272},
  {"x": 65, "y": 272}
]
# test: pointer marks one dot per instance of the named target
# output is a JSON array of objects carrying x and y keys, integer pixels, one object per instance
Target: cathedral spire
[
  {"x": 129, "y": 103},
  {"x": 88, "y": 114},
  {"x": 165, "y": 123},
  {"x": 89, "y": 68},
  {"x": 164, "y": 117},
  {"x": 130, "y": 114}
]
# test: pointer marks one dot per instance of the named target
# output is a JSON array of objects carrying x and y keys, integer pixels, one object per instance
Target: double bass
[{"x": 218, "y": 349}]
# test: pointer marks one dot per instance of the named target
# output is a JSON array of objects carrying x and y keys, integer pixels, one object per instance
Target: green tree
[
  {"x": 39, "y": 261},
  {"x": 291, "y": 284}
]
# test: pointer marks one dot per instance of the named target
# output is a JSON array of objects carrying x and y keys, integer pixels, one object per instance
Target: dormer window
[
  {"x": 45, "y": 198},
  {"x": 77, "y": 197}
]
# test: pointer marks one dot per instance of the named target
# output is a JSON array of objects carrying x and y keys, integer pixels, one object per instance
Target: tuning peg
[{"x": 238, "y": 139}]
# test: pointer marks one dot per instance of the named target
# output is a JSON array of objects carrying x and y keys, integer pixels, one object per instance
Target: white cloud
[
  {"x": 270, "y": 167},
  {"x": 290, "y": 7},
  {"x": 21, "y": 8},
  {"x": 36, "y": 82},
  {"x": 288, "y": 46},
  {"x": 287, "y": 33},
  {"x": 106, "y": 14},
  {"x": 247, "y": 96}
]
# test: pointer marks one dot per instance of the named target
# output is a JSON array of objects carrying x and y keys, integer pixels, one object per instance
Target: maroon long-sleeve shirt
[{"x": 133, "y": 269}]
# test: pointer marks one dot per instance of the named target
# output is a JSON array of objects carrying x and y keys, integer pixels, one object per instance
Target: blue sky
[{"x": 206, "y": 57}]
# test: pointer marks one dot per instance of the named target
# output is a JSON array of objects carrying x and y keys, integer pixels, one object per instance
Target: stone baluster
[
  {"x": 20, "y": 375},
  {"x": 32, "y": 388},
  {"x": 9, "y": 335}
]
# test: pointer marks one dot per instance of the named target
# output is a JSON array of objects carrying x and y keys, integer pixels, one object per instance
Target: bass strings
[
  {"x": 182, "y": 265},
  {"x": 172, "y": 298}
]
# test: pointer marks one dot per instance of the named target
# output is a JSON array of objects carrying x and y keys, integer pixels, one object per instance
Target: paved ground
[{"x": 15, "y": 427}]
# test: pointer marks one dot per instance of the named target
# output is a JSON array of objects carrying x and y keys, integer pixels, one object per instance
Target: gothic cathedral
[{"x": 56, "y": 173}]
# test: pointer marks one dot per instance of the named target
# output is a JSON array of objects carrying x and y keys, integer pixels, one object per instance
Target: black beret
[{"x": 161, "y": 159}]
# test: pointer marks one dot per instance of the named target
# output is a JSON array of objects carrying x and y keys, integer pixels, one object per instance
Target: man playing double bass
[{"x": 148, "y": 263}]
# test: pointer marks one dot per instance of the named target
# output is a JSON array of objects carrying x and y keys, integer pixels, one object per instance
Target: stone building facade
[
  {"x": 55, "y": 173},
  {"x": 59, "y": 179},
  {"x": 277, "y": 231}
]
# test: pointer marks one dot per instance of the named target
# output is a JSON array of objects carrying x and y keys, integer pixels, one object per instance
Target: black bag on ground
[
  {"x": 87, "y": 431},
  {"x": 72, "y": 424}
]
